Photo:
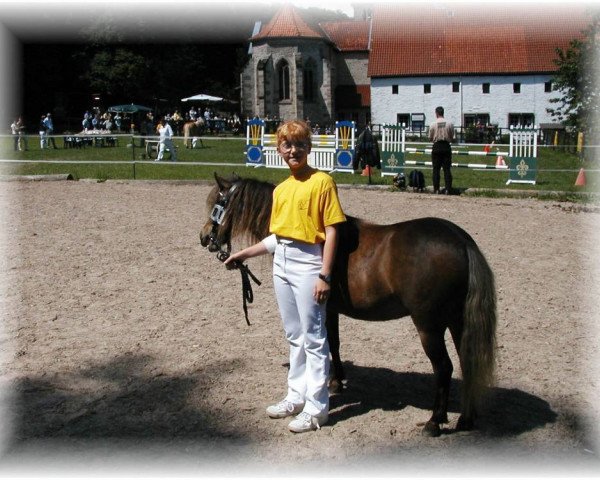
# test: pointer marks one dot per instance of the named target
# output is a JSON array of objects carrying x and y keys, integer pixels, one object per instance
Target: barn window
[
  {"x": 521, "y": 119},
  {"x": 403, "y": 119}
]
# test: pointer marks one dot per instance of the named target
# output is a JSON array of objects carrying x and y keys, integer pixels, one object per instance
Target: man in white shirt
[{"x": 165, "y": 141}]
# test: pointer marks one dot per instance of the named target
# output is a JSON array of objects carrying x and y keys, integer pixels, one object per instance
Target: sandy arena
[{"x": 126, "y": 350}]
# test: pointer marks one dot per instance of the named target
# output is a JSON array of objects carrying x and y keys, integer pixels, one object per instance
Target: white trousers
[
  {"x": 167, "y": 145},
  {"x": 296, "y": 267}
]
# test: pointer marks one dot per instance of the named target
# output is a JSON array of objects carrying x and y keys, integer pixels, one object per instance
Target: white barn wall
[{"x": 498, "y": 103}]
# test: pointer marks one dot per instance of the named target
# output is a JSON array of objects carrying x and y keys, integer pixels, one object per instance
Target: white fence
[
  {"x": 329, "y": 152},
  {"x": 521, "y": 161}
]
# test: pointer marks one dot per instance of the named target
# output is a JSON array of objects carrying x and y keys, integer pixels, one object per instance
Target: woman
[{"x": 303, "y": 239}]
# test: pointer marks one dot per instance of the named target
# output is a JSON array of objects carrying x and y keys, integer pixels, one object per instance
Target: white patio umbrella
[{"x": 201, "y": 97}]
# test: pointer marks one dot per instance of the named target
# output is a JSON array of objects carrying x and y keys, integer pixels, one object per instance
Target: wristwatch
[{"x": 325, "y": 278}]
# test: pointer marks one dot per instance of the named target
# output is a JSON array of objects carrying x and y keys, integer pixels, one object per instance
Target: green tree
[
  {"x": 576, "y": 81},
  {"x": 117, "y": 72}
]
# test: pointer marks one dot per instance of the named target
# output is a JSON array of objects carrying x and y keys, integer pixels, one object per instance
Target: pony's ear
[{"x": 221, "y": 182}]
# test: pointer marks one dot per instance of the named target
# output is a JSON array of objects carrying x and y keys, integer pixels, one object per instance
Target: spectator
[
  {"x": 42, "y": 129},
  {"x": 118, "y": 121},
  {"x": 50, "y": 130},
  {"x": 86, "y": 123},
  {"x": 177, "y": 121},
  {"x": 108, "y": 123},
  {"x": 18, "y": 132},
  {"x": 165, "y": 141}
]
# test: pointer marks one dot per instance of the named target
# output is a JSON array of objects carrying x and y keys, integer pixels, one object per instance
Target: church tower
[{"x": 291, "y": 73}]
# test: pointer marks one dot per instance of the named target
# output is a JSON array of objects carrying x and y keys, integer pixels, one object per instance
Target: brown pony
[
  {"x": 193, "y": 130},
  {"x": 428, "y": 268}
]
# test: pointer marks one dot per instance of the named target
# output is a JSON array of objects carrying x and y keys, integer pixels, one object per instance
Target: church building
[{"x": 315, "y": 72}]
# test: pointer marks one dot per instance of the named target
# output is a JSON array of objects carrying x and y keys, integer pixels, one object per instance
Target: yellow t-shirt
[{"x": 303, "y": 208}]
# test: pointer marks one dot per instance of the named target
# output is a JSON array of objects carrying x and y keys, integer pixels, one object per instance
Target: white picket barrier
[
  {"x": 329, "y": 152},
  {"x": 519, "y": 160}
]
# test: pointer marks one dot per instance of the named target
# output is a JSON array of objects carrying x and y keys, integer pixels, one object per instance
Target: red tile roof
[
  {"x": 430, "y": 39},
  {"x": 287, "y": 22},
  {"x": 349, "y": 36}
]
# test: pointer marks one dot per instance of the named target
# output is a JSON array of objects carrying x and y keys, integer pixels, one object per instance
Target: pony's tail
[{"x": 478, "y": 343}]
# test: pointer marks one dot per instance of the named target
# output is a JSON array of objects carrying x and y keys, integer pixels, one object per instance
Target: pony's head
[
  {"x": 216, "y": 232},
  {"x": 236, "y": 207}
]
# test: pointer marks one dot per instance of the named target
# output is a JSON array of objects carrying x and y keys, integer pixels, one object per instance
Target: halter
[{"x": 216, "y": 215}]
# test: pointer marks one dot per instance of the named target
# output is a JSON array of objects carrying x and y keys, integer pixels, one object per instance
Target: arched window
[
  {"x": 309, "y": 81},
  {"x": 283, "y": 72}
]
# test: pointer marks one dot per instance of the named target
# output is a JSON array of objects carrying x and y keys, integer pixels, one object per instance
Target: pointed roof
[{"x": 286, "y": 23}]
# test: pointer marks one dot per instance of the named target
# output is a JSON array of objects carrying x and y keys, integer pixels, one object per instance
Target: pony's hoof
[
  {"x": 431, "y": 429},
  {"x": 335, "y": 386},
  {"x": 464, "y": 424}
]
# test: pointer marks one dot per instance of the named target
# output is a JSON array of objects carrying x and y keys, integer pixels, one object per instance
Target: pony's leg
[
  {"x": 435, "y": 349},
  {"x": 333, "y": 336},
  {"x": 466, "y": 421}
]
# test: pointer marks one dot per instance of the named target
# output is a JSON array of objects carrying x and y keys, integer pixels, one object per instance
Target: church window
[
  {"x": 309, "y": 81},
  {"x": 284, "y": 80}
]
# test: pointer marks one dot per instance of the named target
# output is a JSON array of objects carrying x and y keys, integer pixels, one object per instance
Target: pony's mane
[{"x": 250, "y": 209}]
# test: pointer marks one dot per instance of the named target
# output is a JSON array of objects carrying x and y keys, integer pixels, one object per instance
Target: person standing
[
  {"x": 118, "y": 121},
  {"x": 42, "y": 129},
  {"x": 165, "y": 141},
  {"x": 86, "y": 123},
  {"x": 303, "y": 238},
  {"x": 441, "y": 133},
  {"x": 49, "y": 130},
  {"x": 18, "y": 131}
]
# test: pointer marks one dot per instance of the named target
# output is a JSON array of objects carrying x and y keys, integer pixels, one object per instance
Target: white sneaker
[
  {"x": 305, "y": 422},
  {"x": 284, "y": 409}
]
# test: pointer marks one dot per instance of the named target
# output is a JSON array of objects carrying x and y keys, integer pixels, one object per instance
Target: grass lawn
[{"x": 557, "y": 169}]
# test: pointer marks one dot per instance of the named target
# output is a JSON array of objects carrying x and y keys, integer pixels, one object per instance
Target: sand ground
[{"x": 126, "y": 350}]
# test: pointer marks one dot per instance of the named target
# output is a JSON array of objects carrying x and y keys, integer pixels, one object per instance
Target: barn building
[{"x": 395, "y": 62}]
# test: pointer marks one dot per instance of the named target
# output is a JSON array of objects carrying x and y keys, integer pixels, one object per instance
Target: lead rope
[{"x": 247, "y": 293}]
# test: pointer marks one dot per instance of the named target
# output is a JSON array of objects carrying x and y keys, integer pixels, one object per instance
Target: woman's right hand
[
  {"x": 249, "y": 252},
  {"x": 232, "y": 260}
]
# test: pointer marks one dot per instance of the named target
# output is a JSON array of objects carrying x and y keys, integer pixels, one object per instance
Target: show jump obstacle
[
  {"x": 336, "y": 152},
  {"x": 521, "y": 156},
  {"x": 329, "y": 152}
]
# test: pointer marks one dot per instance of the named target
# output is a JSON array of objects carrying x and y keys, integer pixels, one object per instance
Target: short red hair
[{"x": 294, "y": 131}]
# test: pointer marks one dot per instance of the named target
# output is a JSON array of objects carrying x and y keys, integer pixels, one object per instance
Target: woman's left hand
[{"x": 321, "y": 291}]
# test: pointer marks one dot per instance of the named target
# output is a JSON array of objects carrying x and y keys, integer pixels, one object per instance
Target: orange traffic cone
[
  {"x": 500, "y": 161},
  {"x": 367, "y": 171},
  {"x": 580, "y": 182}
]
